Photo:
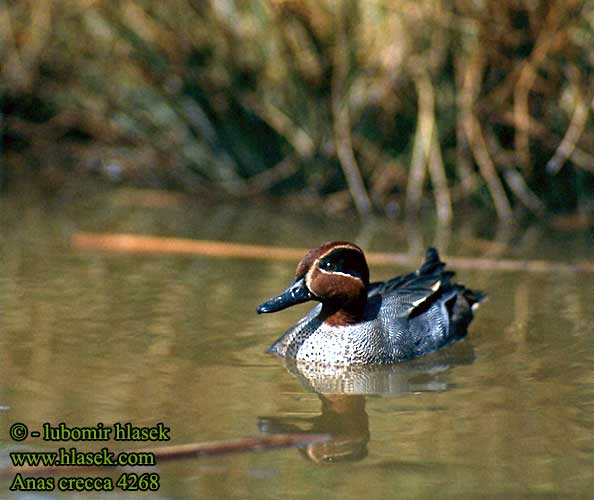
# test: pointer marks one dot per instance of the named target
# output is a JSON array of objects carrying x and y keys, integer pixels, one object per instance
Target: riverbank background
[{"x": 385, "y": 107}]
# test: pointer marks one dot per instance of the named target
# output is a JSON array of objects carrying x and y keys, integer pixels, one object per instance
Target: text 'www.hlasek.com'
[{"x": 37, "y": 470}]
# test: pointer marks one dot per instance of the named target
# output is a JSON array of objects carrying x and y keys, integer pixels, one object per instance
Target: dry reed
[{"x": 319, "y": 98}]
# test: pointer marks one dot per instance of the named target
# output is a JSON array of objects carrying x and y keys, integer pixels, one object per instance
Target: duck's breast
[{"x": 345, "y": 345}]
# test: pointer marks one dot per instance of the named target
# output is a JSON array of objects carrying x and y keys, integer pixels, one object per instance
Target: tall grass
[{"x": 373, "y": 104}]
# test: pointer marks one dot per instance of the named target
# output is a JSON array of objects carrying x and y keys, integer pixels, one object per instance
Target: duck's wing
[
  {"x": 413, "y": 290},
  {"x": 431, "y": 267},
  {"x": 387, "y": 286},
  {"x": 417, "y": 293}
]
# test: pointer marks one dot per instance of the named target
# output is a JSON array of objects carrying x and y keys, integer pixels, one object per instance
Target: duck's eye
[{"x": 326, "y": 265}]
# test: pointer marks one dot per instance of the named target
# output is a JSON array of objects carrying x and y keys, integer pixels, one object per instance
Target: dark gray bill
[{"x": 297, "y": 293}]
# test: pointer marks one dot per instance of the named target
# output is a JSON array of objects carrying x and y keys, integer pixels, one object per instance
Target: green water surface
[{"x": 89, "y": 336}]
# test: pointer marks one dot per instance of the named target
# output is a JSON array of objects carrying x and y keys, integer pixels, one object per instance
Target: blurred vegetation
[{"x": 376, "y": 105}]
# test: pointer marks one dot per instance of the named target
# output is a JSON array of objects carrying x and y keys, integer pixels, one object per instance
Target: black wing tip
[
  {"x": 432, "y": 255},
  {"x": 474, "y": 297},
  {"x": 433, "y": 263}
]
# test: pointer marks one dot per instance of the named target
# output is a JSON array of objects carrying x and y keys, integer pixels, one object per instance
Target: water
[{"x": 89, "y": 337}]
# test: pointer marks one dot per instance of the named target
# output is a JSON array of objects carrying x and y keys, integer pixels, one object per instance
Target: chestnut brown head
[{"x": 335, "y": 274}]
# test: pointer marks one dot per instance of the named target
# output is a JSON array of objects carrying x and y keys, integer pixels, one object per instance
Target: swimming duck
[{"x": 358, "y": 322}]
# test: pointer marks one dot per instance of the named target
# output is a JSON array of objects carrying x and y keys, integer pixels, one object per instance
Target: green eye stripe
[
  {"x": 342, "y": 260},
  {"x": 328, "y": 266}
]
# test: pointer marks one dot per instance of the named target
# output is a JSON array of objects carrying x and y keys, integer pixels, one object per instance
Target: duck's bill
[{"x": 297, "y": 293}]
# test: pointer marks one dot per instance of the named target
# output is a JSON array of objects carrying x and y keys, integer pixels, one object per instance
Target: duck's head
[{"x": 335, "y": 274}]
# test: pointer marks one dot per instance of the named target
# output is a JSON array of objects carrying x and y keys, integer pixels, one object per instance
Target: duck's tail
[
  {"x": 474, "y": 297},
  {"x": 461, "y": 306},
  {"x": 432, "y": 264}
]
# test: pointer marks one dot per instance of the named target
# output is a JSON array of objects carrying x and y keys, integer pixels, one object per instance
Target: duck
[{"x": 361, "y": 323}]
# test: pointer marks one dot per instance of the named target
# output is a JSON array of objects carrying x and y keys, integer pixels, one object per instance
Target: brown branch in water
[
  {"x": 341, "y": 116},
  {"x": 422, "y": 143},
  {"x": 128, "y": 243},
  {"x": 241, "y": 445},
  {"x": 191, "y": 450}
]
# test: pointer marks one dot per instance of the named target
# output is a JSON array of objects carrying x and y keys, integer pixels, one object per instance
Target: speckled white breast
[{"x": 385, "y": 336}]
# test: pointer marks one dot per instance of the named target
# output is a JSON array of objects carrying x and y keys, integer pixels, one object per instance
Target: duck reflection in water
[
  {"x": 343, "y": 418},
  {"x": 342, "y": 392}
]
